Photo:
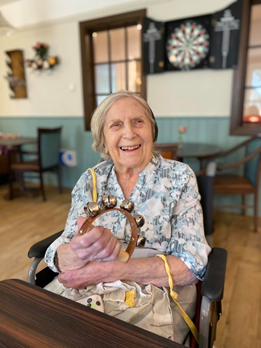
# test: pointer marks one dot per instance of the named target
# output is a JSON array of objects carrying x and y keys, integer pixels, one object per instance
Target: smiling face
[{"x": 128, "y": 135}]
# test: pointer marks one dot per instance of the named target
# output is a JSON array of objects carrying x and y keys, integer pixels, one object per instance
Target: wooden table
[
  {"x": 192, "y": 150},
  {"x": 17, "y": 143},
  {"x": 33, "y": 317}
]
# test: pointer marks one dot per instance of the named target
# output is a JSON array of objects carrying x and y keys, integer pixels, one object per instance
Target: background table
[
  {"x": 192, "y": 150},
  {"x": 17, "y": 143},
  {"x": 33, "y": 317}
]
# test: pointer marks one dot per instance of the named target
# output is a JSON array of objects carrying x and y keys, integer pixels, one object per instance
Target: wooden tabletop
[
  {"x": 190, "y": 150},
  {"x": 197, "y": 150},
  {"x": 33, "y": 317},
  {"x": 17, "y": 141}
]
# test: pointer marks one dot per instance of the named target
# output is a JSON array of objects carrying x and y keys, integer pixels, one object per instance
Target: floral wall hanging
[{"x": 41, "y": 60}]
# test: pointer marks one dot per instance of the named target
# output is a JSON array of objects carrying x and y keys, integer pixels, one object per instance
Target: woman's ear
[{"x": 105, "y": 149}]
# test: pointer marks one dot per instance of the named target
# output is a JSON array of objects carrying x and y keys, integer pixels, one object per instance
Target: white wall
[{"x": 196, "y": 93}]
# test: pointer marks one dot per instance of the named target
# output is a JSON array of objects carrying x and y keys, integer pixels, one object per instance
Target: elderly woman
[{"x": 164, "y": 192}]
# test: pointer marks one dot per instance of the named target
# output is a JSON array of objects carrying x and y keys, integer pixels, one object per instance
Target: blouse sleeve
[
  {"x": 81, "y": 194},
  {"x": 188, "y": 241}
]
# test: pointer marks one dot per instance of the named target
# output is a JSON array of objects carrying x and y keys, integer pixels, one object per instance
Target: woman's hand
[{"x": 97, "y": 245}]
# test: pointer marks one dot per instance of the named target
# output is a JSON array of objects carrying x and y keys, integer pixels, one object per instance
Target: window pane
[
  {"x": 134, "y": 42},
  {"x": 255, "y": 26},
  {"x": 118, "y": 72},
  {"x": 252, "y": 105},
  {"x": 134, "y": 76},
  {"x": 102, "y": 82},
  {"x": 117, "y": 38},
  {"x": 100, "y": 47},
  {"x": 100, "y": 98},
  {"x": 254, "y": 67}
]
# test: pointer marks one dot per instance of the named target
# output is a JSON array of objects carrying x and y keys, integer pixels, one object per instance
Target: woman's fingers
[
  {"x": 98, "y": 244},
  {"x": 80, "y": 221},
  {"x": 110, "y": 251},
  {"x": 114, "y": 254}
]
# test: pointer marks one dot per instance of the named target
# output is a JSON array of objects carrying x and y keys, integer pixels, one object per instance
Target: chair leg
[
  {"x": 42, "y": 186},
  {"x": 243, "y": 203},
  {"x": 59, "y": 180},
  {"x": 11, "y": 196},
  {"x": 256, "y": 212}
]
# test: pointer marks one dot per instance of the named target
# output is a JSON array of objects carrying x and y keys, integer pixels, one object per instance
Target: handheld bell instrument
[{"x": 109, "y": 202}]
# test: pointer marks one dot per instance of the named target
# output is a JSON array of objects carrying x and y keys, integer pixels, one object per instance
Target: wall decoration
[
  {"x": 41, "y": 60},
  {"x": 16, "y": 74},
  {"x": 209, "y": 41},
  {"x": 153, "y": 46},
  {"x": 187, "y": 43},
  {"x": 225, "y": 37}
]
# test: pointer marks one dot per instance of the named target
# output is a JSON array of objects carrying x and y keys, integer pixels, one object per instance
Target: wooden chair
[
  {"x": 47, "y": 159},
  {"x": 231, "y": 184},
  {"x": 168, "y": 150}
]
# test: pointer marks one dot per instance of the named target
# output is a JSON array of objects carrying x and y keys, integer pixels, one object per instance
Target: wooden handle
[{"x": 123, "y": 256}]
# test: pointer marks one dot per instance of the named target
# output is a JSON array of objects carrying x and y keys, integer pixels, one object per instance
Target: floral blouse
[{"x": 166, "y": 195}]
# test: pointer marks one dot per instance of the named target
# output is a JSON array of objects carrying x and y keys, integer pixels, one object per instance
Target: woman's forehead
[{"x": 125, "y": 107}]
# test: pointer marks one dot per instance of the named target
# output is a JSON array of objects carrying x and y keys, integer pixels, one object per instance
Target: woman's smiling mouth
[{"x": 130, "y": 148}]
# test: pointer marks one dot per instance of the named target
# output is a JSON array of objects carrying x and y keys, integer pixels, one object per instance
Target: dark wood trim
[
  {"x": 86, "y": 30},
  {"x": 237, "y": 127}
]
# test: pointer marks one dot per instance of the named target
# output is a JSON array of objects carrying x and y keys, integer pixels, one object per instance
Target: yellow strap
[
  {"x": 174, "y": 295},
  {"x": 94, "y": 192}
]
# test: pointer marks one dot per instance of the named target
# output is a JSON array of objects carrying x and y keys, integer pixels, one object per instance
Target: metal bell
[
  {"x": 109, "y": 201},
  {"x": 127, "y": 205},
  {"x": 139, "y": 220},
  {"x": 141, "y": 241},
  {"x": 92, "y": 209}
]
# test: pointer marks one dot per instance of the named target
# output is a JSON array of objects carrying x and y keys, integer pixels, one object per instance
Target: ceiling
[
  {"x": 3, "y": 2},
  {"x": 20, "y": 13}
]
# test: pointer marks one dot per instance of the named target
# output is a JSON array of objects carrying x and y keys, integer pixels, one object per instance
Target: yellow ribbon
[
  {"x": 94, "y": 192},
  {"x": 174, "y": 296}
]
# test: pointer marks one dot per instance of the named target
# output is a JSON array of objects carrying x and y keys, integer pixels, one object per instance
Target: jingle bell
[
  {"x": 139, "y": 220},
  {"x": 92, "y": 209},
  {"x": 109, "y": 201},
  {"x": 141, "y": 241},
  {"x": 127, "y": 205}
]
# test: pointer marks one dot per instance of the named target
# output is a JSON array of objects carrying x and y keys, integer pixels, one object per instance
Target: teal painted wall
[{"x": 212, "y": 130}]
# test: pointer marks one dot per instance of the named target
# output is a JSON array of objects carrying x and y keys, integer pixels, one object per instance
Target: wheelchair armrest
[
  {"x": 213, "y": 283},
  {"x": 38, "y": 249}
]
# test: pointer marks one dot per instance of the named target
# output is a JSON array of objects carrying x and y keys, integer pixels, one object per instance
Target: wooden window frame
[
  {"x": 237, "y": 126},
  {"x": 86, "y": 30}
]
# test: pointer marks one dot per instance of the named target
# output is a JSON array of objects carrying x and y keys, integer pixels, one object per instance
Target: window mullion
[
  {"x": 109, "y": 55},
  {"x": 126, "y": 58}
]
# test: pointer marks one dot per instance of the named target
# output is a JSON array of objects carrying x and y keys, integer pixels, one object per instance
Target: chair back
[
  {"x": 49, "y": 141},
  {"x": 206, "y": 191},
  {"x": 252, "y": 167},
  {"x": 168, "y": 150}
]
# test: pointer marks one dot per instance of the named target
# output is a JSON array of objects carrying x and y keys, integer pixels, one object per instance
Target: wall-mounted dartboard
[{"x": 187, "y": 43}]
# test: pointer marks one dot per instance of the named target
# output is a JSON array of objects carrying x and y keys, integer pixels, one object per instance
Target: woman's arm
[{"x": 144, "y": 271}]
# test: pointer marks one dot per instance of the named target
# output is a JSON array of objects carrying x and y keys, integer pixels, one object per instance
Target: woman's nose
[{"x": 129, "y": 131}]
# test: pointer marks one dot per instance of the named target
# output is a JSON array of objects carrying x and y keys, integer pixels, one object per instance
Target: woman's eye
[
  {"x": 138, "y": 122},
  {"x": 116, "y": 125}
]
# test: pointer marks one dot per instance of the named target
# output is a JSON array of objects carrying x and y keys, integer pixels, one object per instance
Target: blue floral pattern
[{"x": 166, "y": 195}]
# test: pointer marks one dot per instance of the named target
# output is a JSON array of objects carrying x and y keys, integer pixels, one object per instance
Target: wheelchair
[{"x": 209, "y": 291}]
